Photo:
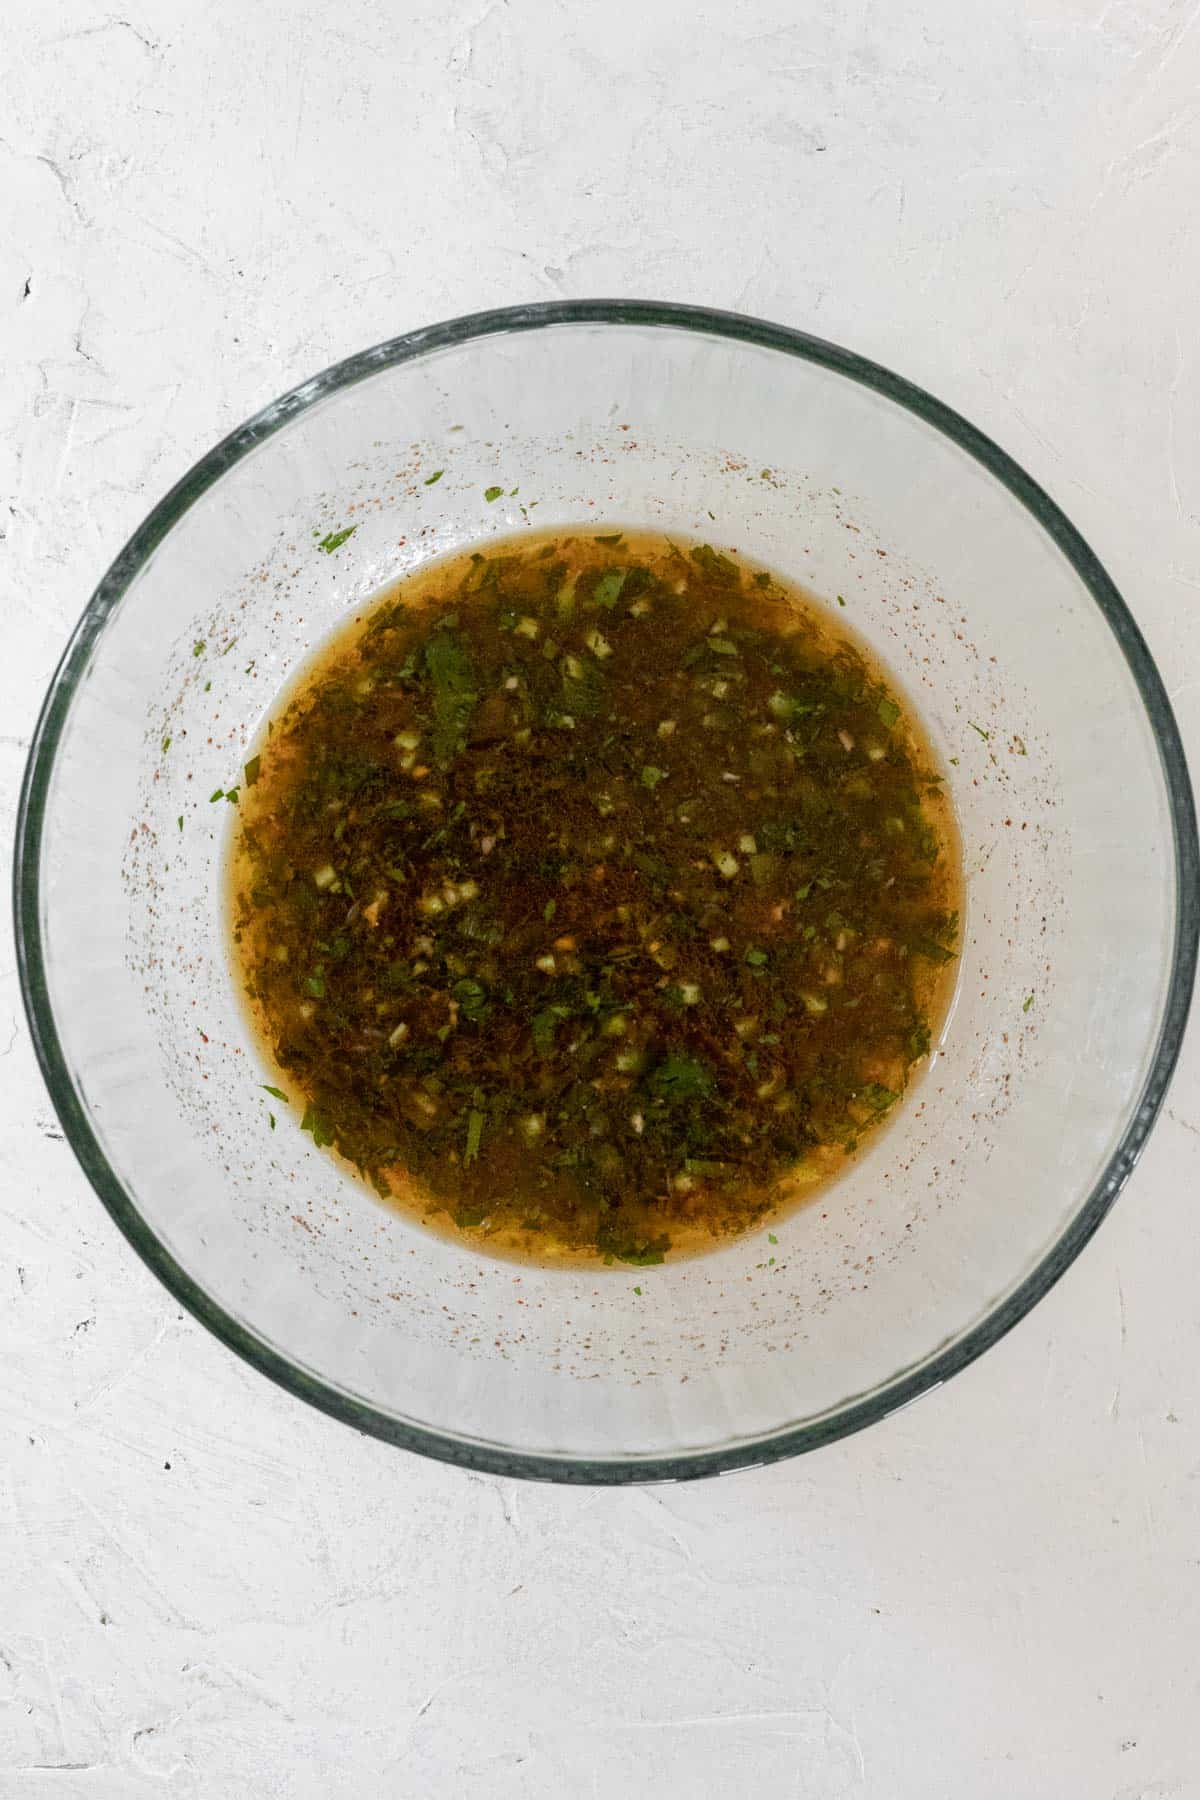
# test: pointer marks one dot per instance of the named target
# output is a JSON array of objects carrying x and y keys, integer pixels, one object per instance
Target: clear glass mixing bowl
[{"x": 1072, "y": 796}]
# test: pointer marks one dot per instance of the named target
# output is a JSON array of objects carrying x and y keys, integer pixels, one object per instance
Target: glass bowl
[{"x": 1068, "y": 778}]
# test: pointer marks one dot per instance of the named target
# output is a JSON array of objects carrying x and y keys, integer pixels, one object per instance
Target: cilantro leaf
[
  {"x": 316, "y": 1122},
  {"x": 455, "y": 692},
  {"x": 681, "y": 1078},
  {"x": 475, "y": 1124},
  {"x": 716, "y": 566},
  {"x": 607, "y": 590}
]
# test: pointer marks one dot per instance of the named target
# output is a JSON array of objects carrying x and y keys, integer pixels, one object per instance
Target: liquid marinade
[{"x": 594, "y": 895}]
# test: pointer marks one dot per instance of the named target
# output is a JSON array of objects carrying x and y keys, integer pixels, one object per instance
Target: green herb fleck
[
  {"x": 219, "y": 795},
  {"x": 985, "y": 735},
  {"x": 640, "y": 1254},
  {"x": 1028, "y": 1003},
  {"x": 179, "y": 821},
  {"x": 252, "y": 770},
  {"x": 771, "y": 1238},
  {"x": 933, "y": 952},
  {"x": 638, "y": 1291},
  {"x": 607, "y": 590},
  {"x": 276, "y": 1093},
  {"x": 492, "y": 493},
  {"x": 652, "y": 776},
  {"x": 475, "y": 1124},
  {"x": 271, "y": 1119},
  {"x": 840, "y": 601},
  {"x": 333, "y": 540},
  {"x": 680, "y": 1078},
  {"x": 756, "y": 958},
  {"x": 472, "y": 998},
  {"x": 198, "y": 647},
  {"x": 436, "y": 476},
  {"x": 889, "y": 712},
  {"x": 315, "y": 985},
  {"x": 545, "y": 1024},
  {"x": 716, "y": 566},
  {"x": 166, "y": 745},
  {"x": 316, "y": 1122},
  {"x": 454, "y": 693}
]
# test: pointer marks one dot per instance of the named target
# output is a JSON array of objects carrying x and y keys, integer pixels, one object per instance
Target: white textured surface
[{"x": 207, "y": 1590}]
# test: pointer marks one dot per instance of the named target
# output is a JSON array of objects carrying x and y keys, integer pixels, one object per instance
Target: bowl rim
[{"x": 471, "y": 1453}]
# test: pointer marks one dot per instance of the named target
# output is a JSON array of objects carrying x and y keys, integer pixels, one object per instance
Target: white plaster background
[{"x": 207, "y": 1590}]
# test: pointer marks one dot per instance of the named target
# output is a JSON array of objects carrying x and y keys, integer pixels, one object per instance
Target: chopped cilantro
[
  {"x": 979, "y": 728},
  {"x": 454, "y": 693},
  {"x": 333, "y": 540},
  {"x": 716, "y": 566},
  {"x": 1028, "y": 1003},
  {"x": 472, "y": 998},
  {"x": 252, "y": 770},
  {"x": 492, "y": 493},
  {"x": 436, "y": 476},
  {"x": 607, "y": 590},
  {"x": 316, "y": 1122},
  {"x": 475, "y": 1124},
  {"x": 933, "y": 952},
  {"x": 198, "y": 647},
  {"x": 888, "y": 711},
  {"x": 756, "y": 958},
  {"x": 680, "y": 1078},
  {"x": 166, "y": 745},
  {"x": 640, "y": 1252},
  {"x": 545, "y": 1024},
  {"x": 276, "y": 1093},
  {"x": 652, "y": 776}
]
